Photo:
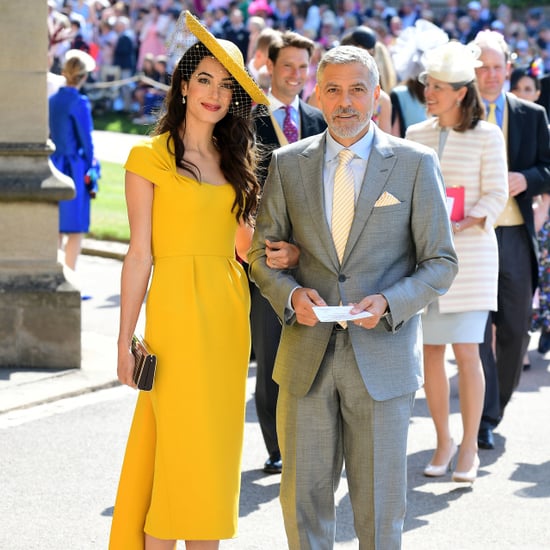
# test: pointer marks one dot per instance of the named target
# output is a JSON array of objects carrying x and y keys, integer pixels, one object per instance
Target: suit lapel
[
  {"x": 306, "y": 129},
  {"x": 311, "y": 162},
  {"x": 379, "y": 167},
  {"x": 265, "y": 131}
]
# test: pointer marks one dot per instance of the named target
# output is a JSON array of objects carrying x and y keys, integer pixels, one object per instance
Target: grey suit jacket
[{"x": 403, "y": 251}]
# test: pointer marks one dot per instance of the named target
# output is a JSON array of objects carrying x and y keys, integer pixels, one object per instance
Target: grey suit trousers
[{"x": 338, "y": 421}]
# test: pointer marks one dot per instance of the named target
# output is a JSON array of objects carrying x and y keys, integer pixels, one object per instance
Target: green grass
[
  {"x": 109, "y": 218},
  {"x": 119, "y": 122}
]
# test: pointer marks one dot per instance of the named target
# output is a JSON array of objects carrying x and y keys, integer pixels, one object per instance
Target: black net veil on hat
[{"x": 191, "y": 42}]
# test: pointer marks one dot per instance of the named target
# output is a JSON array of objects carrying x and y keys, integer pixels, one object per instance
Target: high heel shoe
[
  {"x": 469, "y": 476},
  {"x": 432, "y": 470}
]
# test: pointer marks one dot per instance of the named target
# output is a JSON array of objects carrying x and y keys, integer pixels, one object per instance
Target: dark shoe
[
  {"x": 544, "y": 342},
  {"x": 485, "y": 439},
  {"x": 273, "y": 465}
]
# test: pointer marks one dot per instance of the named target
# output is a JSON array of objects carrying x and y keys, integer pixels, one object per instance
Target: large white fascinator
[
  {"x": 411, "y": 45},
  {"x": 453, "y": 63}
]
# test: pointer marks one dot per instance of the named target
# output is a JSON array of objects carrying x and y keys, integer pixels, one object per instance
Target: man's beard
[{"x": 348, "y": 130}]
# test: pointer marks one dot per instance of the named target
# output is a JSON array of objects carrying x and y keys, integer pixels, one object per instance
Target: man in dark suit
[
  {"x": 237, "y": 32},
  {"x": 368, "y": 213},
  {"x": 525, "y": 128},
  {"x": 544, "y": 97},
  {"x": 288, "y": 62}
]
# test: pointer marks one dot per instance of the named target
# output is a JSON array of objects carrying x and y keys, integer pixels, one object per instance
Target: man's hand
[
  {"x": 281, "y": 255},
  {"x": 516, "y": 183},
  {"x": 303, "y": 300},
  {"x": 375, "y": 304}
]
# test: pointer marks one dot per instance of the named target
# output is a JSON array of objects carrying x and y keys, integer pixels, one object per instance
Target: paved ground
[{"x": 507, "y": 508}]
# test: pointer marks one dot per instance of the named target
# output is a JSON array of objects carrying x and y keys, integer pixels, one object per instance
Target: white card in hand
[{"x": 333, "y": 314}]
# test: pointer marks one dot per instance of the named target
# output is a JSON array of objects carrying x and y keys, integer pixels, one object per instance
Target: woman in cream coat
[{"x": 473, "y": 156}]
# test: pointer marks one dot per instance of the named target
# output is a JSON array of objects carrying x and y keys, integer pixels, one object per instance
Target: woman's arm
[
  {"x": 136, "y": 269},
  {"x": 493, "y": 182},
  {"x": 243, "y": 240}
]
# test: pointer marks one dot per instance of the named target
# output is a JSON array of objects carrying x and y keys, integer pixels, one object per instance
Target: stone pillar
[{"x": 40, "y": 311}]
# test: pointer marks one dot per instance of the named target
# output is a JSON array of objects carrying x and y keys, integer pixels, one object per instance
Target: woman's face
[
  {"x": 442, "y": 99},
  {"x": 209, "y": 91},
  {"x": 526, "y": 89}
]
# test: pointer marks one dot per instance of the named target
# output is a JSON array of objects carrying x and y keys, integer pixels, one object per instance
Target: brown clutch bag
[{"x": 145, "y": 364}]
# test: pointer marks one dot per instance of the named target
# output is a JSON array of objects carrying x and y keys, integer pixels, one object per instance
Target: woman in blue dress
[{"x": 71, "y": 131}]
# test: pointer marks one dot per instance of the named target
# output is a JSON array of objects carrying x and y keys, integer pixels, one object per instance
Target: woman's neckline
[{"x": 202, "y": 182}]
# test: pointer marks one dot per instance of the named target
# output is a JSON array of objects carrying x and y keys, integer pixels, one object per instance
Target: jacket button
[{"x": 342, "y": 278}]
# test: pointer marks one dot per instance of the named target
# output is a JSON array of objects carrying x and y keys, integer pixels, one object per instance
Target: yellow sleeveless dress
[{"x": 181, "y": 473}]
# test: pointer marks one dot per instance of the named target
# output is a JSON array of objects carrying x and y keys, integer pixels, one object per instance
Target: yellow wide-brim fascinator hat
[{"x": 226, "y": 52}]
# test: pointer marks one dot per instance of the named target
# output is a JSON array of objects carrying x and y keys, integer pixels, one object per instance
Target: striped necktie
[{"x": 343, "y": 202}]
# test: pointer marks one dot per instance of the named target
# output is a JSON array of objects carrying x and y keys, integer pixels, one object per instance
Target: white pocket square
[{"x": 386, "y": 199}]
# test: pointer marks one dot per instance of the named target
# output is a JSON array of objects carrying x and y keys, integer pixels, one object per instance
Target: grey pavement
[{"x": 506, "y": 508}]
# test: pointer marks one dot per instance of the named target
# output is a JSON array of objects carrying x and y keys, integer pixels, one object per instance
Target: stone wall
[{"x": 39, "y": 309}]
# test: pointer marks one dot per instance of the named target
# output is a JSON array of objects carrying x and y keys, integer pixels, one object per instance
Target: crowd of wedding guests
[{"x": 128, "y": 33}]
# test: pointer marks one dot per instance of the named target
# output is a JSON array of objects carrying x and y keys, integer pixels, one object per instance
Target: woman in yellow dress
[{"x": 191, "y": 195}]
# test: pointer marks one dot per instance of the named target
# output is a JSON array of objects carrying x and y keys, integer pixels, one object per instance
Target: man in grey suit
[{"x": 346, "y": 390}]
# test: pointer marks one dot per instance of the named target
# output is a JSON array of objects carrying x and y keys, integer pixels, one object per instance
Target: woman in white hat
[
  {"x": 191, "y": 193},
  {"x": 71, "y": 126},
  {"x": 473, "y": 162}
]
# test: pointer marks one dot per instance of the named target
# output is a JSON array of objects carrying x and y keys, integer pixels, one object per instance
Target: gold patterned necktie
[
  {"x": 343, "y": 202},
  {"x": 492, "y": 115}
]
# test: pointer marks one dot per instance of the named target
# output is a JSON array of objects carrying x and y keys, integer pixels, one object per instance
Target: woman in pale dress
[{"x": 473, "y": 157}]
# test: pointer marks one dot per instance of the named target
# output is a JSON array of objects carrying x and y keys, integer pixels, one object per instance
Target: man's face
[
  {"x": 492, "y": 74},
  {"x": 236, "y": 18},
  {"x": 346, "y": 100},
  {"x": 288, "y": 73}
]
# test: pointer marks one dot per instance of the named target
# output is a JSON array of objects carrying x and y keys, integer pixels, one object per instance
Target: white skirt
[{"x": 466, "y": 327}]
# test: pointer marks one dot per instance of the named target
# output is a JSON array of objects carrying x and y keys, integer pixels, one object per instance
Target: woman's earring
[
  {"x": 458, "y": 102},
  {"x": 183, "y": 100}
]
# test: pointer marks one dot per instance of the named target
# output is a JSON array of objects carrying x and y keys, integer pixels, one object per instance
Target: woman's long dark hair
[
  {"x": 472, "y": 109},
  {"x": 233, "y": 137}
]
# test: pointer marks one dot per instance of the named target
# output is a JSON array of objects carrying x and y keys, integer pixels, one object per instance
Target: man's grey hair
[
  {"x": 344, "y": 55},
  {"x": 492, "y": 40}
]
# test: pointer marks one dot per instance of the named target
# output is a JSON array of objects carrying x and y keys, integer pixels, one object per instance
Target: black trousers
[
  {"x": 266, "y": 333},
  {"x": 503, "y": 367}
]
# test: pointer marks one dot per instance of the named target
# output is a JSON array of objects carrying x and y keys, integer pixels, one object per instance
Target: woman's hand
[
  {"x": 281, "y": 255},
  {"x": 467, "y": 222},
  {"x": 125, "y": 367}
]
